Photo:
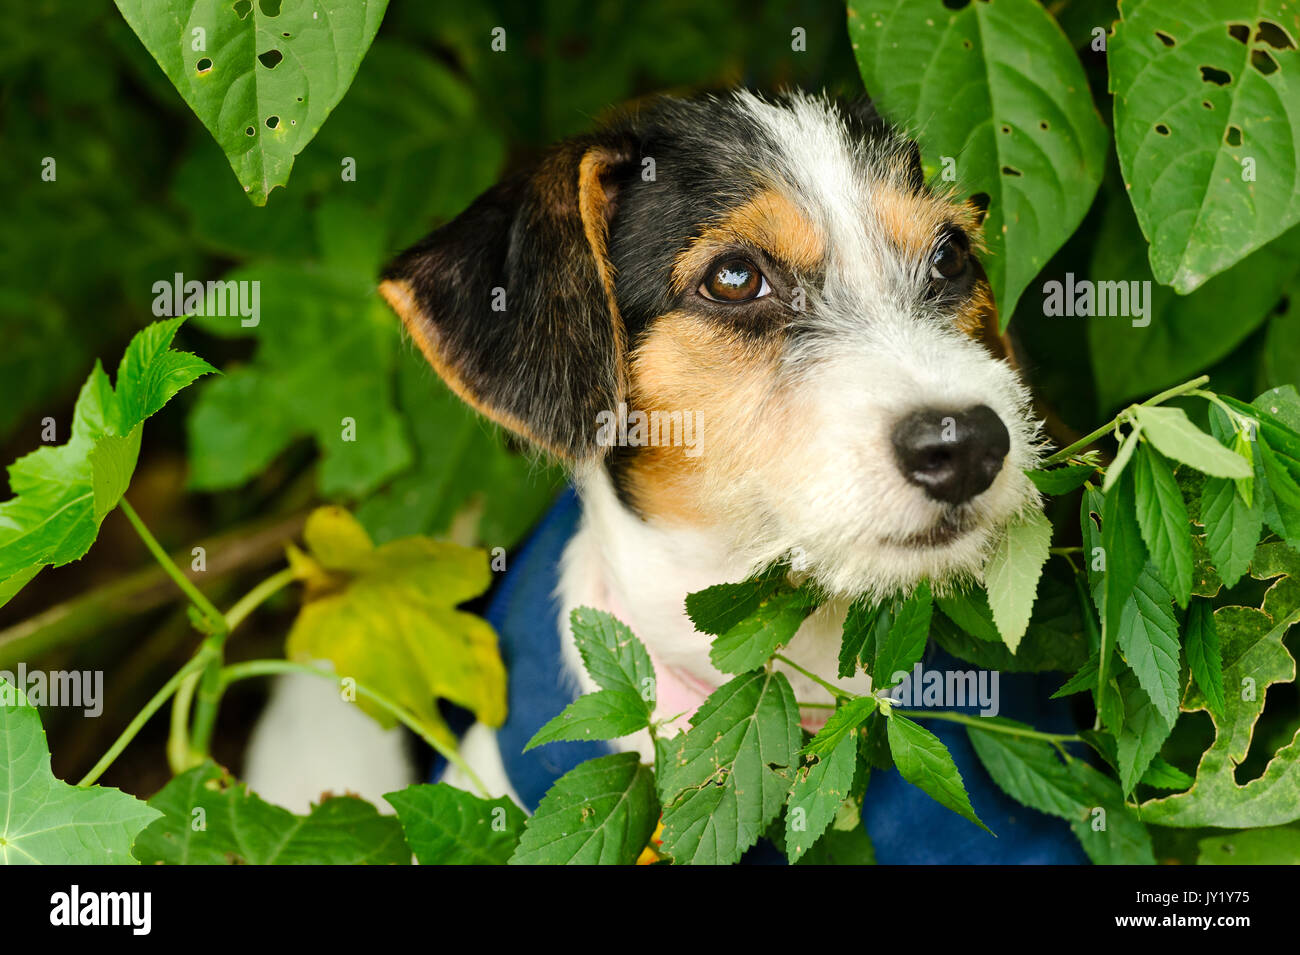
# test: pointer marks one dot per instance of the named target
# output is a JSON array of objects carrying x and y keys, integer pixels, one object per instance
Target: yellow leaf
[{"x": 387, "y": 617}]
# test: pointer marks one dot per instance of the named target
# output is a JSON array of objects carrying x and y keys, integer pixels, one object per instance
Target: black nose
[{"x": 953, "y": 455}]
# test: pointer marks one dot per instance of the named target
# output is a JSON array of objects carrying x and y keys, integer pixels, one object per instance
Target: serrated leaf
[
  {"x": 997, "y": 87},
  {"x": 818, "y": 792},
  {"x": 718, "y": 608},
  {"x": 63, "y": 493},
  {"x": 901, "y": 634},
  {"x": 771, "y": 625},
  {"x": 602, "y": 812},
  {"x": 613, "y": 656},
  {"x": 239, "y": 828},
  {"x": 846, "y": 718},
  {"x": 1201, "y": 640},
  {"x": 263, "y": 82},
  {"x": 926, "y": 763},
  {"x": 448, "y": 826},
  {"x": 45, "y": 821},
  {"x": 1148, "y": 637},
  {"x": 858, "y": 633},
  {"x": 969, "y": 609},
  {"x": 1174, "y": 436},
  {"x": 1110, "y": 831},
  {"x": 1012, "y": 572},
  {"x": 1162, "y": 518},
  {"x": 605, "y": 714},
  {"x": 1144, "y": 731},
  {"x": 387, "y": 618},
  {"x": 1232, "y": 528},
  {"x": 726, "y": 778},
  {"x": 1029, "y": 771},
  {"x": 1177, "y": 105},
  {"x": 1125, "y": 555}
]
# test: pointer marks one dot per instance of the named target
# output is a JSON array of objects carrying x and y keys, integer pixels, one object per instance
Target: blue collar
[{"x": 905, "y": 825}]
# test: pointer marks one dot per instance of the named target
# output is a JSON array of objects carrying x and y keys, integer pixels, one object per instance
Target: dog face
[{"x": 800, "y": 322}]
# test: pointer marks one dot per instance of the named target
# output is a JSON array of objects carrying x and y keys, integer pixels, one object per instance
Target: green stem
[
  {"x": 984, "y": 723},
  {"x": 210, "y": 688},
  {"x": 1096, "y": 435},
  {"x": 160, "y": 555},
  {"x": 199, "y": 661},
  {"x": 252, "y": 668},
  {"x": 831, "y": 688},
  {"x": 179, "y": 755}
]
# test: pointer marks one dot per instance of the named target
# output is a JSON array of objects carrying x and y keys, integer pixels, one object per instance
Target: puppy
[{"x": 804, "y": 325}]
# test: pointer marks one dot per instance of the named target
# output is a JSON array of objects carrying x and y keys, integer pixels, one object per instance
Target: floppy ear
[{"x": 512, "y": 302}]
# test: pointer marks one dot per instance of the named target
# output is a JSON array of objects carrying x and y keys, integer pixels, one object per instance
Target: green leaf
[
  {"x": 1029, "y": 771},
  {"x": 1148, "y": 637},
  {"x": 447, "y": 826},
  {"x": 602, "y": 812},
  {"x": 1084, "y": 679},
  {"x": 844, "y": 843},
  {"x": 727, "y": 777},
  {"x": 1231, "y": 528},
  {"x": 209, "y": 819},
  {"x": 63, "y": 493},
  {"x": 1144, "y": 731},
  {"x": 969, "y": 609},
  {"x": 1159, "y": 775},
  {"x": 1254, "y": 657},
  {"x": 613, "y": 656},
  {"x": 718, "y": 608},
  {"x": 846, "y": 718},
  {"x": 1186, "y": 116},
  {"x": 1174, "y": 436},
  {"x": 925, "y": 763},
  {"x": 1162, "y": 518},
  {"x": 318, "y": 325},
  {"x": 262, "y": 83},
  {"x": 1061, "y": 480},
  {"x": 1011, "y": 575},
  {"x": 996, "y": 87},
  {"x": 1276, "y": 845},
  {"x": 771, "y": 625},
  {"x": 1201, "y": 640},
  {"x": 387, "y": 618},
  {"x": 1125, "y": 554},
  {"x": 857, "y": 644},
  {"x": 45, "y": 821},
  {"x": 818, "y": 792},
  {"x": 1111, "y": 832},
  {"x": 605, "y": 714},
  {"x": 900, "y": 631}
]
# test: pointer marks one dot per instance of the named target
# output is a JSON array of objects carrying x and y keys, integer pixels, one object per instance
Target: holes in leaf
[
  {"x": 1011, "y": 171},
  {"x": 203, "y": 66},
  {"x": 243, "y": 8},
  {"x": 272, "y": 122},
  {"x": 1263, "y": 62},
  {"x": 1164, "y": 38},
  {"x": 1233, "y": 136},
  {"x": 286, "y": 35},
  {"x": 981, "y": 203},
  {"x": 1207, "y": 104},
  {"x": 1274, "y": 36},
  {"x": 1043, "y": 125},
  {"x": 299, "y": 99},
  {"x": 1218, "y": 77},
  {"x": 956, "y": 4},
  {"x": 1162, "y": 129},
  {"x": 1006, "y": 130},
  {"x": 270, "y": 8},
  {"x": 966, "y": 44},
  {"x": 250, "y": 131},
  {"x": 1239, "y": 31},
  {"x": 270, "y": 59}
]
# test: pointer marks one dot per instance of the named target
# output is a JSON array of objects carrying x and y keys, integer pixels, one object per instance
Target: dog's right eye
[{"x": 736, "y": 280}]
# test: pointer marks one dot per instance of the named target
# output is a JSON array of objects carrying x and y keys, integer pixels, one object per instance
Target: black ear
[{"x": 512, "y": 302}]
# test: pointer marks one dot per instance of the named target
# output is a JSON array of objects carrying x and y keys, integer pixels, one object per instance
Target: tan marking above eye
[{"x": 770, "y": 221}]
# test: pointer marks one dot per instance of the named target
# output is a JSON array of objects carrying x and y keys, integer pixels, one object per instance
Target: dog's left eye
[
  {"x": 737, "y": 280},
  {"x": 950, "y": 257}
]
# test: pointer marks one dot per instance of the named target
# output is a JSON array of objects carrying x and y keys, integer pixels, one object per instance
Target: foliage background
[{"x": 433, "y": 117}]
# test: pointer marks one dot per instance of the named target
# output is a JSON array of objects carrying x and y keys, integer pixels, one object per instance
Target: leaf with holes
[
  {"x": 818, "y": 792},
  {"x": 995, "y": 89},
  {"x": 1207, "y": 97},
  {"x": 45, "y": 821},
  {"x": 261, "y": 77},
  {"x": 726, "y": 778}
]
